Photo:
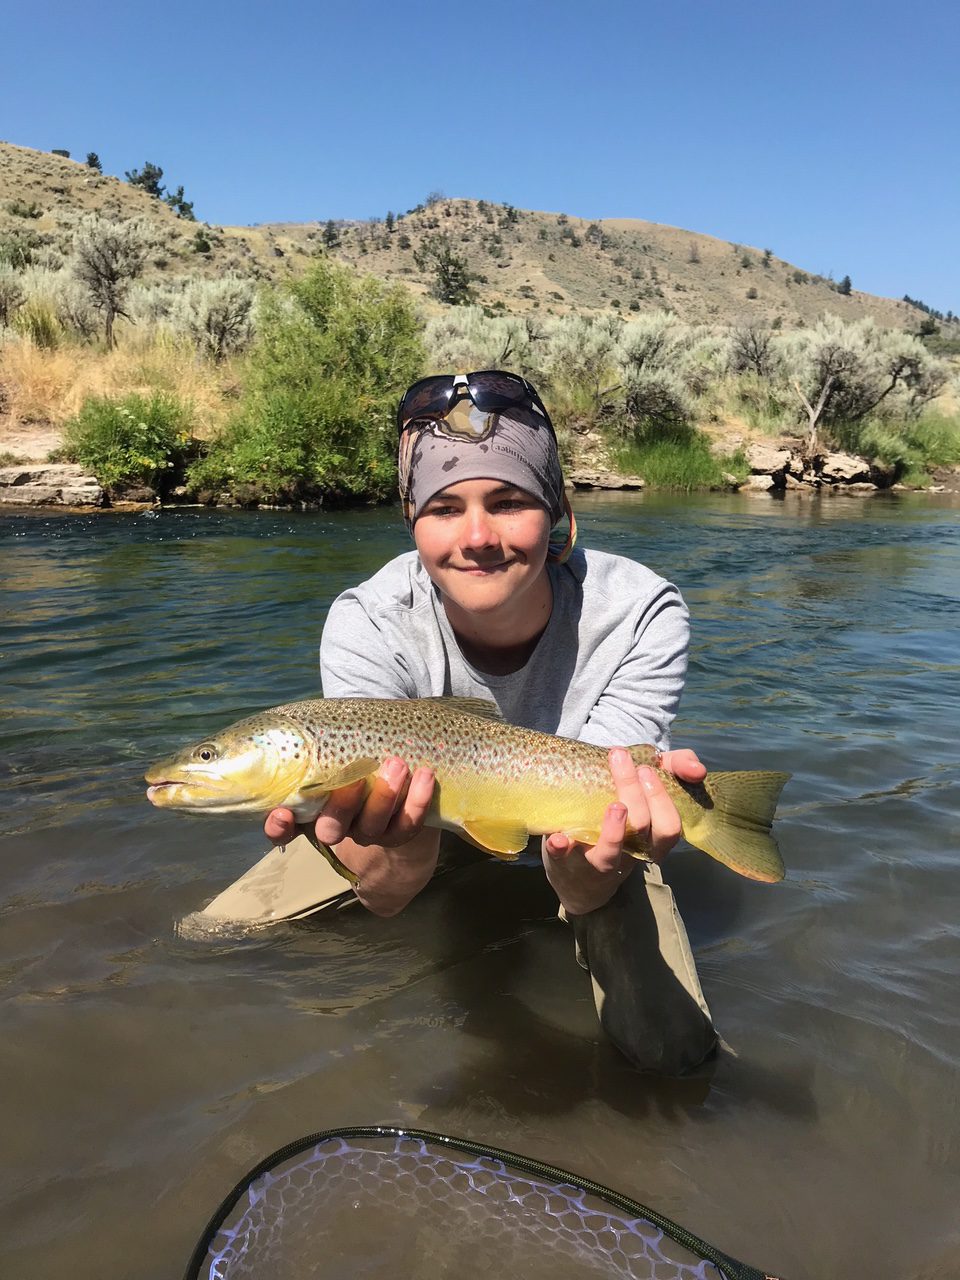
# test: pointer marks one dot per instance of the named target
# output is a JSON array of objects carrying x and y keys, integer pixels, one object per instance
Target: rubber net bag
[{"x": 404, "y": 1204}]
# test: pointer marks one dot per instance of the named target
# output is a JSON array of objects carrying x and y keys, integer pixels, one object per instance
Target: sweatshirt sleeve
[
  {"x": 356, "y": 660},
  {"x": 640, "y": 700}
]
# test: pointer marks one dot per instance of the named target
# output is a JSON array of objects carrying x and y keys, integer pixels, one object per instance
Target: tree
[
  {"x": 752, "y": 349},
  {"x": 181, "y": 207},
  {"x": 389, "y": 220},
  {"x": 93, "y": 161},
  {"x": 148, "y": 178},
  {"x": 845, "y": 286},
  {"x": 843, "y": 372},
  {"x": 107, "y": 257},
  {"x": 452, "y": 277},
  {"x": 331, "y": 236}
]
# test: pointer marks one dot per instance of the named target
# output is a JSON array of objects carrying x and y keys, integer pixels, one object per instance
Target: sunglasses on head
[{"x": 491, "y": 390}]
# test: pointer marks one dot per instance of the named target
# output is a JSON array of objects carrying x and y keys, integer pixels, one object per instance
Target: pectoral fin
[
  {"x": 331, "y": 857},
  {"x": 352, "y": 772},
  {"x": 503, "y": 839}
]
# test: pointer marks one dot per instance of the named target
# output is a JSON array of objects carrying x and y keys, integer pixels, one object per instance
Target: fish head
[{"x": 251, "y": 767}]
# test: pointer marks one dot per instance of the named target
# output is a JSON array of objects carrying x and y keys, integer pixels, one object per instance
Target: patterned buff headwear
[{"x": 516, "y": 446}]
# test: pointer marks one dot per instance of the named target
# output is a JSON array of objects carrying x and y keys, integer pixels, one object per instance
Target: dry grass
[{"x": 43, "y": 388}]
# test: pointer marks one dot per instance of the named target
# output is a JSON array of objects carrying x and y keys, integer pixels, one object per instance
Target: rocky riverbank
[{"x": 774, "y": 468}]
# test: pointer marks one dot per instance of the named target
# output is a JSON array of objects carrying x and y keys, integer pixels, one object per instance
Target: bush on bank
[
  {"x": 332, "y": 356},
  {"x": 133, "y": 440},
  {"x": 298, "y": 387}
]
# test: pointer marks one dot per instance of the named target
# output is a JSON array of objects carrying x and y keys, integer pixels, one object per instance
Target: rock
[
  {"x": 790, "y": 481},
  {"x": 766, "y": 460},
  {"x": 883, "y": 474},
  {"x": 758, "y": 484},
  {"x": 729, "y": 480},
  {"x": 844, "y": 468},
  {"x": 140, "y": 494},
  {"x": 604, "y": 480},
  {"x": 56, "y": 485}
]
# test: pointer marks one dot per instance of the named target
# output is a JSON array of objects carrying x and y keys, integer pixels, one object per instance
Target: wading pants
[{"x": 645, "y": 984}]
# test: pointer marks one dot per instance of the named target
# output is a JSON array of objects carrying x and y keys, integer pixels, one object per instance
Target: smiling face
[{"x": 484, "y": 545}]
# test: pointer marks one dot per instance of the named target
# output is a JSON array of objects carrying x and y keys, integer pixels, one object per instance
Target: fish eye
[{"x": 206, "y": 752}]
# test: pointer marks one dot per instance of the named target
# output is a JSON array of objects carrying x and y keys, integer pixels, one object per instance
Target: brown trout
[{"x": 496, "y": 784}]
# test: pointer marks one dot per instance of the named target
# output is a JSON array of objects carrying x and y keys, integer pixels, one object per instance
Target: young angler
[{"x": 578, "y": 643}]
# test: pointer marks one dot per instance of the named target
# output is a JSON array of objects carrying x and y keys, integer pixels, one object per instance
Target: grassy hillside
[{"x": 524, "y": 261}]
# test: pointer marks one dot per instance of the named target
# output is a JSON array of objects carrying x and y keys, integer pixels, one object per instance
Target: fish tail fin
[{"x": 730, "y": 815}]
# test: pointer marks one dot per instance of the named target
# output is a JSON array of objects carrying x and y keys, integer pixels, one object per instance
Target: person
[{"x": 579, "y": 643}]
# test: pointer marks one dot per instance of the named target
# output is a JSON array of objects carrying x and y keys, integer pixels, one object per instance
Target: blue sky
[{"x": 826, "y": 132}]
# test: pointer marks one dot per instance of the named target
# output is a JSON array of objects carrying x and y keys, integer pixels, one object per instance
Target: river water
[{"x": 142, "y": 1071}]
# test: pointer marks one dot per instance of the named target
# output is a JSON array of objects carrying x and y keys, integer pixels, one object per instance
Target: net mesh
[{"x": 404, "y": 1205}]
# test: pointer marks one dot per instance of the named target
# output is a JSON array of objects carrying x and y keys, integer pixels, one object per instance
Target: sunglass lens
[
  {"x": 429, "y": 396},
  {"x": 493, "y": 390}
]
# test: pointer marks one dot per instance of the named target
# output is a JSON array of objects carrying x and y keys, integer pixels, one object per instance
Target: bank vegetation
[{"x": 222, "y": 390}]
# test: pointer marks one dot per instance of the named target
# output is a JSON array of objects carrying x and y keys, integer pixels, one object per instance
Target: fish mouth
[{"x": 156, "y": 789}]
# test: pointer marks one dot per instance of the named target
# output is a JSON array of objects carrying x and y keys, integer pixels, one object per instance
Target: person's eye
[{"x": 440, "y": 511}]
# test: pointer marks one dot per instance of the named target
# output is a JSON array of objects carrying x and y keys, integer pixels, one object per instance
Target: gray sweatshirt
[{"x": 608, "y": 669}]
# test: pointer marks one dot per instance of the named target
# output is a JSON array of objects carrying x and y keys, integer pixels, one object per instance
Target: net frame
[{"x": 730, "y": 1268}]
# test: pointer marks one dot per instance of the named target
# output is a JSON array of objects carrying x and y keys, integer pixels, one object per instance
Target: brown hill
[{"x": 523, "y": 261}]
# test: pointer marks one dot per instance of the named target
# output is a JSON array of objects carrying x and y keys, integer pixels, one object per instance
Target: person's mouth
[{"x": 482, "y": 570}]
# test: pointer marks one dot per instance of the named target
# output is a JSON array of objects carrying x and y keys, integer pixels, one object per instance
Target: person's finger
[
  {"x": 280, "y": 826},
  {"x": 607, "y": 854},
  {"x": 665, "y": 830},
  {"x": 630, "y": 792},
  {"x": 339, "y": 812},
  {"x": 386, "y": 791},
  {"x": 414, "y": 806},
  {"x": 559, "y": 845},
  {"x": 684, "y": 764}
]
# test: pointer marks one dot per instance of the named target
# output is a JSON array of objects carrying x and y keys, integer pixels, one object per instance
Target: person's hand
[
  {"x": 380, "y": 836},
  {"x": 585, "y": 878}
]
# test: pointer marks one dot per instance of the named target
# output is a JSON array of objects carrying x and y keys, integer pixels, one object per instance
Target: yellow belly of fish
[{"x": 500, "y": 816}]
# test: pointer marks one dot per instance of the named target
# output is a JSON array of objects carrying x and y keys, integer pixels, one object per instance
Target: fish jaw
[{"x": 251, "y": 768}]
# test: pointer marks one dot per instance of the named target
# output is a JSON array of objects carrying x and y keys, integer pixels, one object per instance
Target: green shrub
[
  {"x": 135, "y": 440},
  {"x": 21, "y": 209},
  {"x": 680, "y": 462},
  {"x": 37, "y": 320},
  {"x": 911, "y": 447},
  {"x": 333, "y": 355}
]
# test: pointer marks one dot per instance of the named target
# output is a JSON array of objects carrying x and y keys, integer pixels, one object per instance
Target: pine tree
[{"x": 148, "y": 177}]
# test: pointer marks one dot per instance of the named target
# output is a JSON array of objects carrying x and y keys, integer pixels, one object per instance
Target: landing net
[{"x": 383, "y": 1203}]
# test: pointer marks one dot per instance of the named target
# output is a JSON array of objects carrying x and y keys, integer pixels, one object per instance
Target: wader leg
[{"x": 645, "y": 984}]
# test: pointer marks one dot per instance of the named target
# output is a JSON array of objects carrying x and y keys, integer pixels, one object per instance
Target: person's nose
[{"x": 479, "y": 532}]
